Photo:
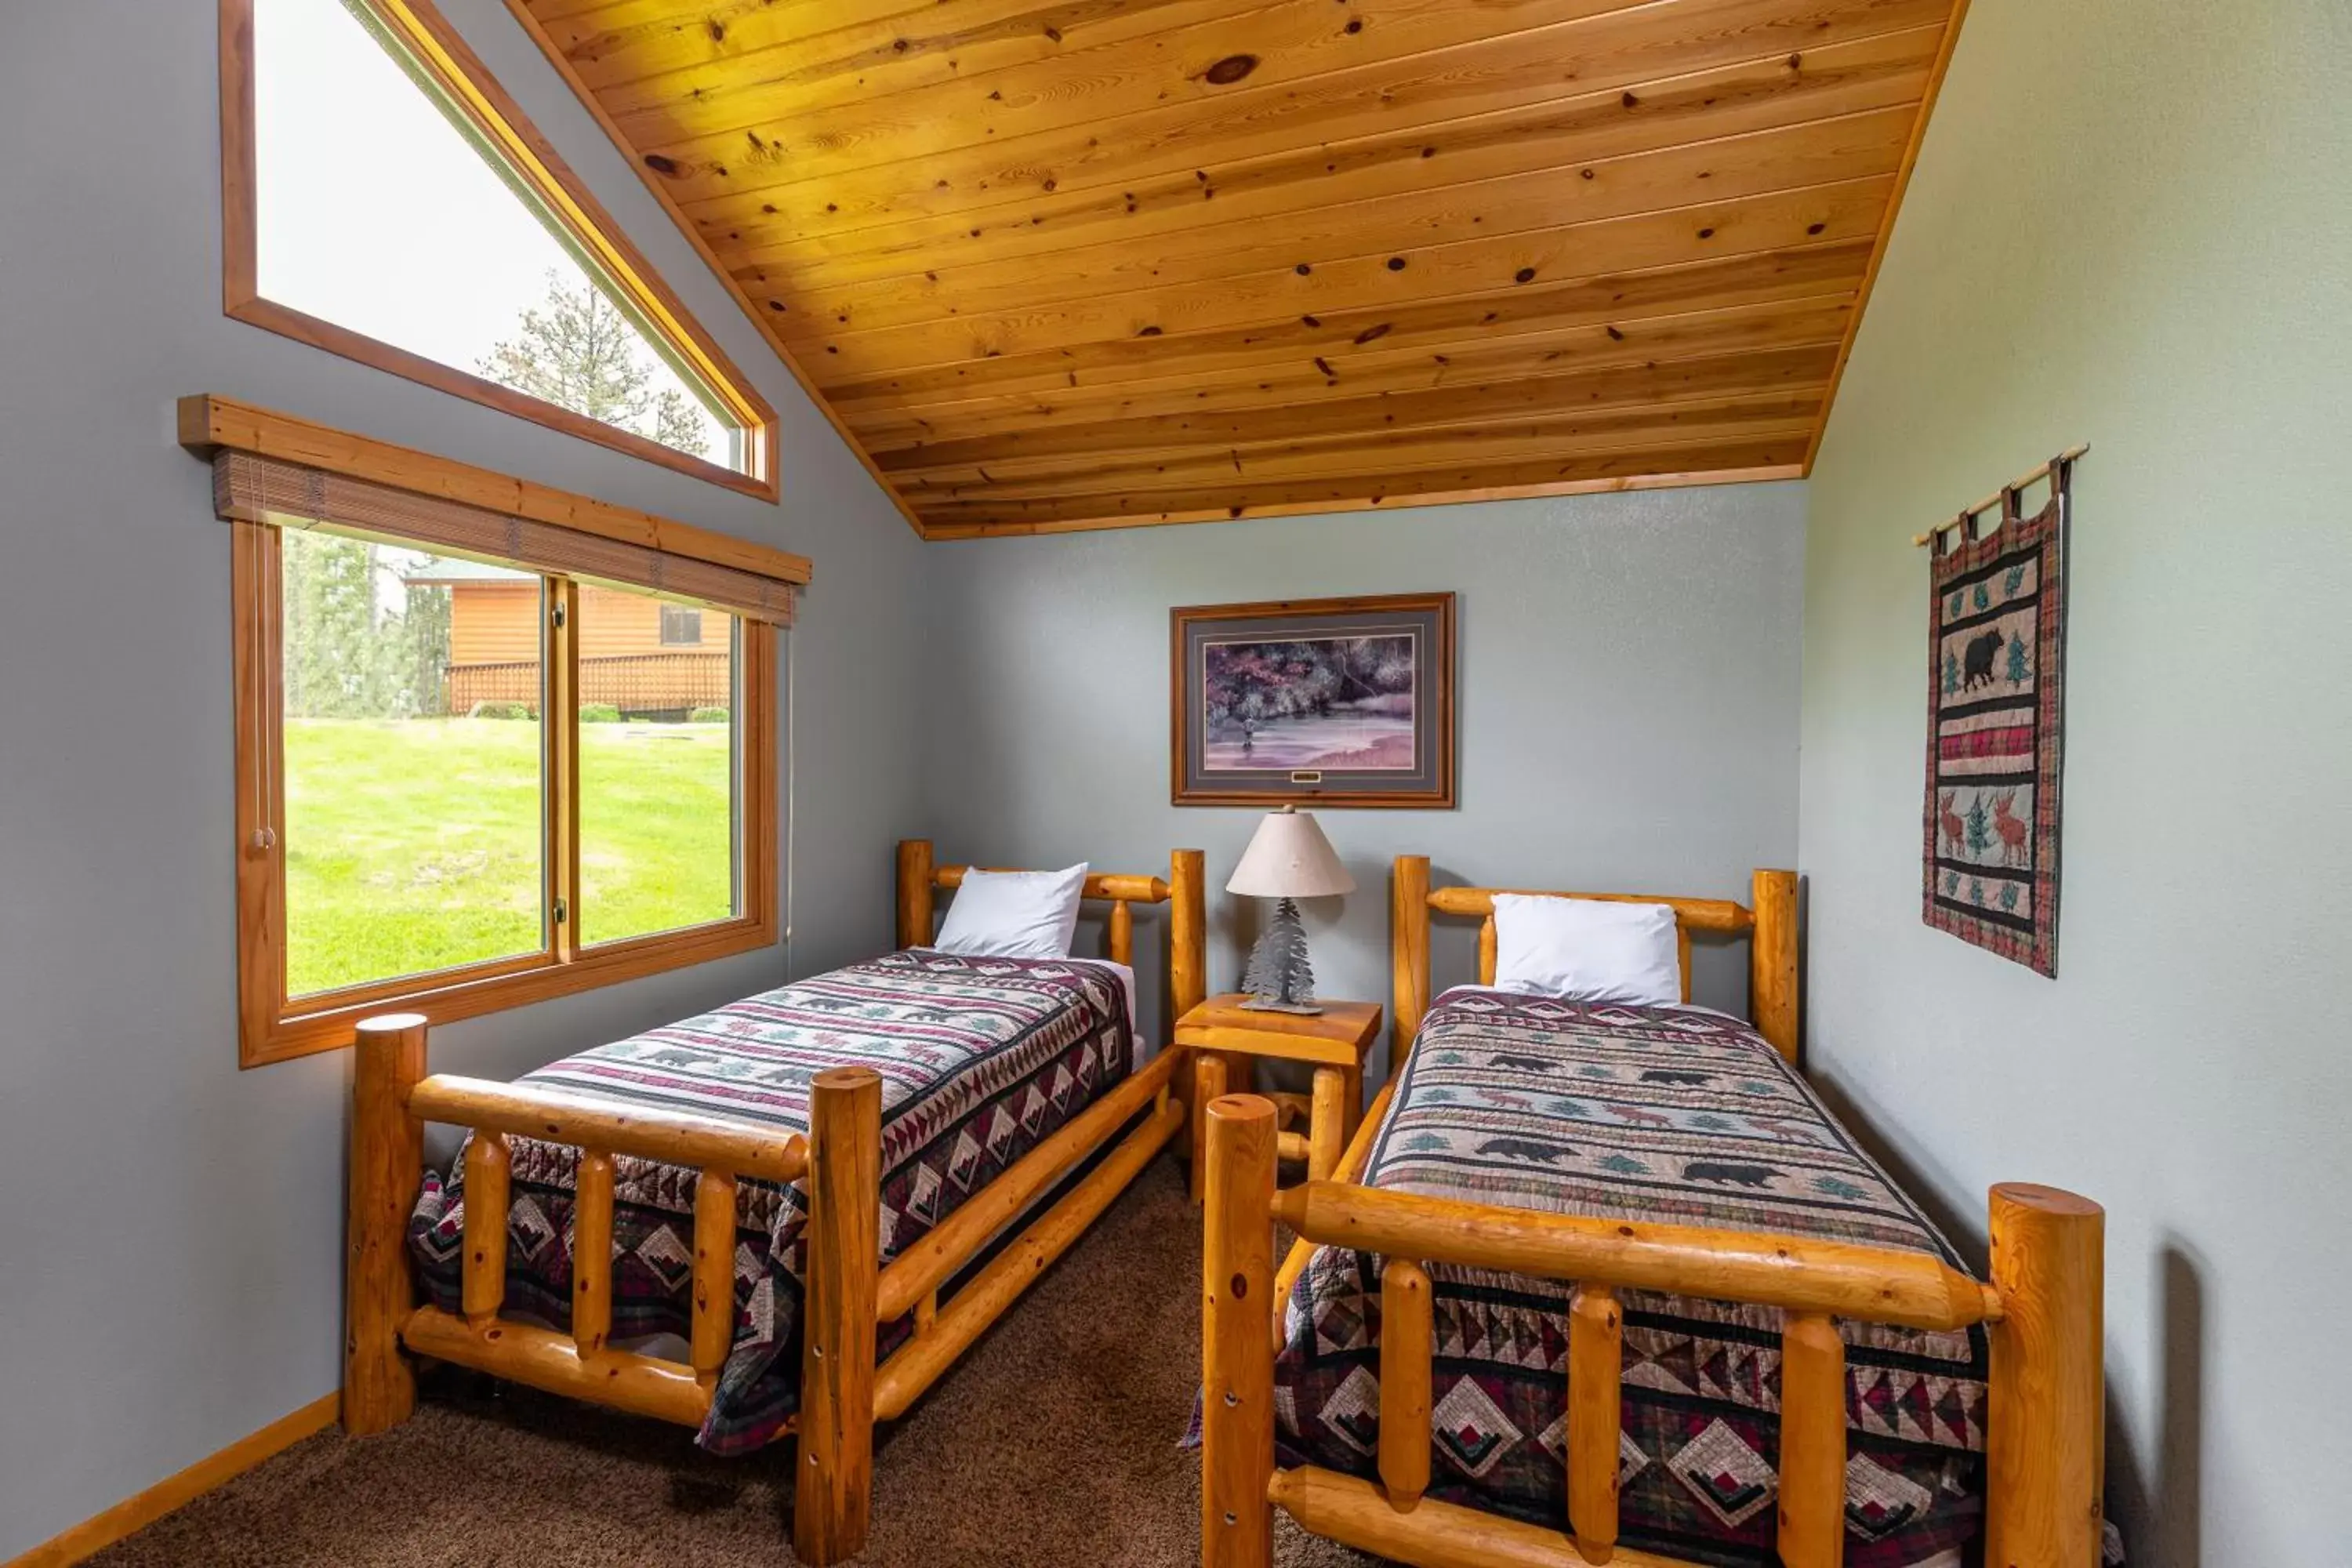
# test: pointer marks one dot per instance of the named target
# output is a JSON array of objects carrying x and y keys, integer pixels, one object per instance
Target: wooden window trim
[
  {"x": 209, "y": 422},
  {"x": 271, "y": 1027},
  {"x": 501, "y": 122}
]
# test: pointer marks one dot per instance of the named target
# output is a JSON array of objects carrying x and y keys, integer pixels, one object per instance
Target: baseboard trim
[{"x": 94, "y": 1535}]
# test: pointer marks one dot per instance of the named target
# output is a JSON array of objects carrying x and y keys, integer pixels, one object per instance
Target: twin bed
[
  {"x": 1594, "y": 1282},
  {"x": 788, "y": 1187},
  {"x": 1600, "y": 1282}
]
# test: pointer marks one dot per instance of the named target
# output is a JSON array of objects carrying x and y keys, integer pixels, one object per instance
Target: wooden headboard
[
  {"x": 1184, "y": 890},
  {"x": 1769, "y": 921}
]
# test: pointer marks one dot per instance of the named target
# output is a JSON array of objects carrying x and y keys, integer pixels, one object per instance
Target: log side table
[{"x": 1226, "y": 1037}]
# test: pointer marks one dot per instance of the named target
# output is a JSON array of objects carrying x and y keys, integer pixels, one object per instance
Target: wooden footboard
[
  {"x": 2042, "y": 1312},
  {"x": 848, "y": 1296},
  {"x": 839, "y": 1165}
]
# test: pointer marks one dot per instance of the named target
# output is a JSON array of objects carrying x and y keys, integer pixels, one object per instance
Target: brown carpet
[{"x": 1054, "y": 1442}]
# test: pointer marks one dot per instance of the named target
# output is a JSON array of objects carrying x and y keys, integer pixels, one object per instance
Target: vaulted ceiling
[{"x": 1069, "y": 263}]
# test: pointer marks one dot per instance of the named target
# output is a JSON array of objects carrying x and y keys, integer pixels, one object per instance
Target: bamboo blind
[{"x": 249, "y": 488}]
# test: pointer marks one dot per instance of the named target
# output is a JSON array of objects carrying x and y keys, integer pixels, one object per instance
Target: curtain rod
[{"x": 2019, "y": 483}]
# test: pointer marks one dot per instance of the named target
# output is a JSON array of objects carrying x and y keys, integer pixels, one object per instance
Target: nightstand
[{"x": 1226, "y": 1038}]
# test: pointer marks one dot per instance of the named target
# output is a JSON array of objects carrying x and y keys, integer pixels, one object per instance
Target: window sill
[{"x": 327, "y": 1022}]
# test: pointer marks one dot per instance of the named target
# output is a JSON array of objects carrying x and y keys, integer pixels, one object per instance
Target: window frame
[
  {"x": 661, "y": 631},
  {"x": 501, "y": 126},
  {"x": 273, "y": 1026}
]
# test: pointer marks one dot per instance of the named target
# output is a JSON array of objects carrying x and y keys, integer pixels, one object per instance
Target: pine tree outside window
[{"x": 385, "y": 200}]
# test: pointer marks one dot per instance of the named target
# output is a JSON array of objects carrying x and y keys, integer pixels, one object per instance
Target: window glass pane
[
  {"x": 377, "y": 212},
  {"x": 413, "y": 773},
  {"x": 657, "y": 806}
]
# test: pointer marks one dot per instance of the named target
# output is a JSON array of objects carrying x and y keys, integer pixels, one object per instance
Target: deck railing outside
[{"x": 633, "y": 683}]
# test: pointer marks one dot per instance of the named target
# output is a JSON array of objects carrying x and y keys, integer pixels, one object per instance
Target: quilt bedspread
[
  {"x": 1666, "y": 1115},
  {"x": 980, "y": 1058}
]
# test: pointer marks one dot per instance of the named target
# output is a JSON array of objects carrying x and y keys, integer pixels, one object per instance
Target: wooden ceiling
[{"x": 1080, "y": 263}]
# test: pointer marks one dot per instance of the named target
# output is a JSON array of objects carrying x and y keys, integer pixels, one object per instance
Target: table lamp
[{"x": 1287, "y": 860}]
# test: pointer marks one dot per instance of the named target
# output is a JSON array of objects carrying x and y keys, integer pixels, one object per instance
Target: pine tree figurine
[{"x": 1279, "y": 975}]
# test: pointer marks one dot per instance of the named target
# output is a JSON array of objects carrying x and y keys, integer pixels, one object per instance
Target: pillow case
[
  {"x": 1013, "y": 914},
  {"x": 1588, "y": 950}
]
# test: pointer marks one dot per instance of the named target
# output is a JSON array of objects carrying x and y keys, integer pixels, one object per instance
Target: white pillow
[
  {"x": 1588, "y": 950},
  {"x": 1013, "y": 914}
]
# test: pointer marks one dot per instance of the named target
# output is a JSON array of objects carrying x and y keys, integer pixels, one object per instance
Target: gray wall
[
  {"x": 1628, "y": 670},
  {"x": 170, "y": 1242},
  {"x": 2129, "y": 225}
]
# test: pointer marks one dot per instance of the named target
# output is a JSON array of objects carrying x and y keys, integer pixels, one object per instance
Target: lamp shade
[{"x": 1289, "y": 858}]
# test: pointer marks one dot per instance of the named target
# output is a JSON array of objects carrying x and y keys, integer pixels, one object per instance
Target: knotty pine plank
[
  {"x": 1879, "y": 72},
  {"x": 1305, "y": 380},
  {"x": 1780, "y": 370},
  {"x": 1438, "y": 326},
  {"x": 933, "y": 159},
  {"x": 1409, "y": 275},
  {"x": 1798, "y": 157}
]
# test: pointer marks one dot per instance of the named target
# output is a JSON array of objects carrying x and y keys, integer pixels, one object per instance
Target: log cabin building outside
[{"x": 648, "y": 658}]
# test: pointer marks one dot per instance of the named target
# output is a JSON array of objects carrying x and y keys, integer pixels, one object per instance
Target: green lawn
[{"x": 415, "y": 846}]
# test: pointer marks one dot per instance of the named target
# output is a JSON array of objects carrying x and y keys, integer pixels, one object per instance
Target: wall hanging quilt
[{"x": 1996, "y": 707}]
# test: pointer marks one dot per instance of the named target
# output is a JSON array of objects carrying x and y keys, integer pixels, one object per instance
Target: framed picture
[{"x": 1317, "y": 701}]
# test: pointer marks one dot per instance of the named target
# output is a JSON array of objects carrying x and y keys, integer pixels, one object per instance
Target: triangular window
[{"x": 387, "y": 201}]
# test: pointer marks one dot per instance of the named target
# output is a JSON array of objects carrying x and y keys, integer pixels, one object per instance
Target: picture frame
[{"x": 1331, "y": 702}]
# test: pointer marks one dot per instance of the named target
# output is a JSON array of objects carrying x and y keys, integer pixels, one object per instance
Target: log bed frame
[
  {"x": 849, "y": 1296},
  {"x": 2044, "y": 1437}
]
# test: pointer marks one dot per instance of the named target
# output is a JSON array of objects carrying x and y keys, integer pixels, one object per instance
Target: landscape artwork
[
  {"x": 1311, "y": 702},
  {"x": 1334, "y": 702}
]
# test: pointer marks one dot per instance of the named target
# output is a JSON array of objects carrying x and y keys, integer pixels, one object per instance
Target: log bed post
[
  {"x": 2045, "y": 1433},
  {"x": 592, "y": 1255},
  {"x": 1237, "y": 1355},
  {"x": 387, "y": 1168},
  {"x": 1772, "y": 960},
  {"x": 490, "y": 1172},
  {"x": 914, "y": 929},
  {"x": 1188, "y": 931},
  {"x": 1188, "y": 987},
  {"x": 1596, "y": 1356},
  {"x": 1408, "y": 1333},
  {"x": 832, "y": 1497},
  {"x": 1118, "y": 935},
  {"x": 714, "y": 1274},
  {"x": 1409, "y": 954},
  {"x": 1812, "y": 1443}
]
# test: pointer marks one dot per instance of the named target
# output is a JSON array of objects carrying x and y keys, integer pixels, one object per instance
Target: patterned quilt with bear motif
[
  {"x": 981, "y": 1060},
  {"x": 1668, "y": 1115}
]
